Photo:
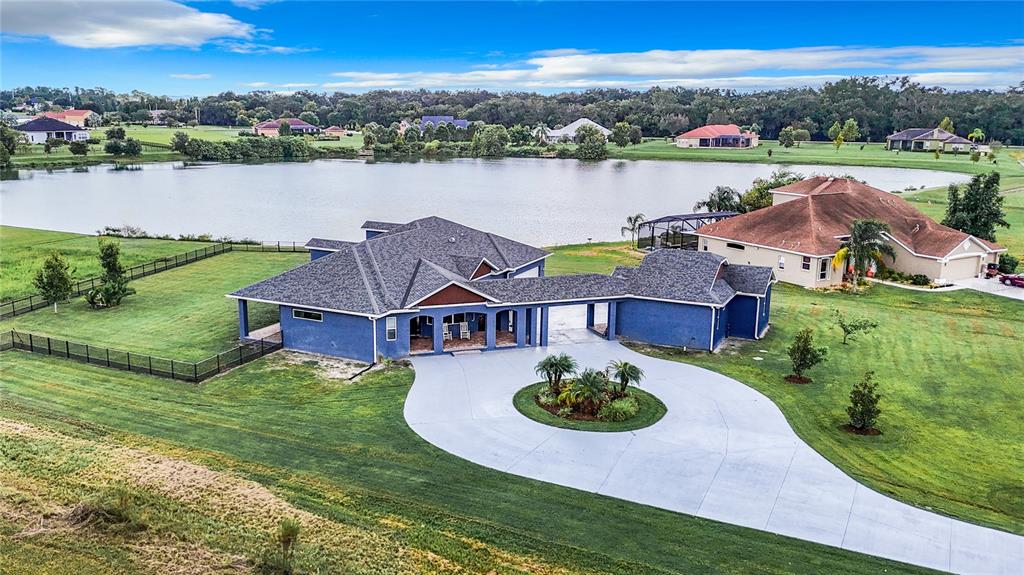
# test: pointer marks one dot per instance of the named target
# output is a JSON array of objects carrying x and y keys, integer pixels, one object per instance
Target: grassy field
[
  {"x": 596, "y": 258},
  {"x": 178, "y": 314},
  {"x": 163, "y": 134},
  {"x": 22, "y": 251},
  {"x": 373, "y": 496},
  {"x": 948, "y": 367}
]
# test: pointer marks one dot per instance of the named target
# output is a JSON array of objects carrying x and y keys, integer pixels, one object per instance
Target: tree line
[{"x": 880, "y": 106}]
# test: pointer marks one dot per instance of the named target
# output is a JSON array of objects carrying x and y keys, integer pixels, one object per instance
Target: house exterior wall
[
  {"x": 41, "y": 137},
  {"x": 687, "y": 142},
  {"x": 792, "y": 270},
  {"x": 664, "y": 323},
  {"x": 743, "y": 320},
  {"x": 317, "y": 254},
  {"x": 342, "y": 335}
]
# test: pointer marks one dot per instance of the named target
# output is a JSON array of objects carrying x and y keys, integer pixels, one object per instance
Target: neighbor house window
[
  {"x": 307, "y": 315},
  {"x": 705, "y": 244},
  {"x": 735, "y": 246},
  {"x": 391, "y": 328},
  {"x": 823, "y": 269},
  {"x": 806, "y": 263}
]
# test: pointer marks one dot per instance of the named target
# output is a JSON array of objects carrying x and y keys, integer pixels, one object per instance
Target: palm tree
[
  {"x": 865, "y": 245},
  {"x": 626, "y": 373},
  {"x": 540, "y": 132},
  {"x": 976, "y": 135},
  {"x": 721, "y": 199},
  {"x": 632, "y": 226},
  {"x": 586, "y": 391},
  {"x": 553, "y": 368}
]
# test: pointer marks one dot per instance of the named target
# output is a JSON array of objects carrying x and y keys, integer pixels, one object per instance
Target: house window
[
  {"x": 823, "y": 269},
  {"x": 705, "y": 244},
  {"x": 735, "y": 246},
  {"x": 782, "y": 263},
  {"x": 806, "y": 263},
  {"x": 307, "y": 315},
  {"x": 391, "y": 328}
]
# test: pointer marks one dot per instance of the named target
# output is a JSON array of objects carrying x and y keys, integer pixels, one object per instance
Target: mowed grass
[
  {"x": 948, "y": 366},
  {"x": 22, "y": 251},
  {"x": 818, "y": 153},
  {"x": 596, "y": 258},
  {"x": 341, "y": 455},
  {"x": 177, "y": 314},
  {"x": 164, "y": 135}
]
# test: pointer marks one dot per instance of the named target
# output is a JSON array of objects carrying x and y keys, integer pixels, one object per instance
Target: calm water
[{"x": 543, "y": 202}]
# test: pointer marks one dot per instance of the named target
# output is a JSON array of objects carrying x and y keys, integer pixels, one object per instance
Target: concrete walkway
[{"x": 723, "y": 451}]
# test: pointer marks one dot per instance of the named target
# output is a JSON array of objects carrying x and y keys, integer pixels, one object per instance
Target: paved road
[{"x": 723, "y": 451}]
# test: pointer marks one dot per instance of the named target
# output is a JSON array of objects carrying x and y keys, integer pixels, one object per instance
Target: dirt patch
[
  {"x": 869, "y": 431},
  {"x": 798, "y": 379},
  {"x": 327, "y": 367}
]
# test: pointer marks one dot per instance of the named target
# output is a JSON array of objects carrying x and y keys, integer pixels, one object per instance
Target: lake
[{"x": 543, "y": 202}]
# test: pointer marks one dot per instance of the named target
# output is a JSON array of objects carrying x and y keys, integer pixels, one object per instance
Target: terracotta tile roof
[
  {"x": 714, "y": 131},
  {"x": 65, "y": 114},
  {"x": 813, "y": 224}
]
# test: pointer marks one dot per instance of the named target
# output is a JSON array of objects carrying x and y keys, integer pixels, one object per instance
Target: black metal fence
[
  {"x": 191, "y": 371},
  {"x": 33, "y": 302}
]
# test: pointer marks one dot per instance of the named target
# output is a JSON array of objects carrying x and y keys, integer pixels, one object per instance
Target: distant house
[
  {"x": 336, "y": 131},
  {"x": 802, "y": 230},
  {"x": 568, "y": 133},
  {"x": 77, "y": 118},
  {"x": 926, "y": 140},
  {"x": 270, "y": 127},
  {"x": 438, "y": 120},
  {"x": 717, "y": 136},
  {"x": 32, "y": 104},
  {"x": 39, "y": 130}
]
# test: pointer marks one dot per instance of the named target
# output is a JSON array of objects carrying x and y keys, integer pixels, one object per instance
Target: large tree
[
  {"x": 590, "y": 144},
  {"x": 721, "y": 199},
  {"x": 866, "y": 245},
  {"x": 978, "y": 208},
  {"x": 760, "y": 193}
]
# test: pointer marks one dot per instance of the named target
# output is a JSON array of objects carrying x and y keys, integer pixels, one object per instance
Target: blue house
[{"x": 436, "y": 286}]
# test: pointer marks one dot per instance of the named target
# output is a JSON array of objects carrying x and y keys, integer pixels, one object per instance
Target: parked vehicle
[
  {"x": 1012, "y": 280},
  {"x": 991, "y": 270}
]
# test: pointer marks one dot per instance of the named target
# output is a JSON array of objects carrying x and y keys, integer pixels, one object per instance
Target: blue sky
[{"x": 199, "y": 48}]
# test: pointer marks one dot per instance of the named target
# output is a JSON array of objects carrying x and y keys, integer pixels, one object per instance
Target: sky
[{"x": 180, "y": 48}]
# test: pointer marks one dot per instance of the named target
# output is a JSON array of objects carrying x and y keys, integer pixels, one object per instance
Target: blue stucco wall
[
  {"x": 340, "y": 335},
  {"x": 766, "y": 307},
  {"x": 315, "y": 254},
  {"x": 721, "y": 326},
  {"x": 664, "y": 323},
  {"x": 743, "y": 317}
]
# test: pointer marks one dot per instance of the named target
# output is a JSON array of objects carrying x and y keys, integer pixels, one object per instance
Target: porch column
[
  {"x": 544, "y": 326},
  {"x": 243, "y": 319},
  {"x": 438, "y": 333},
  {"x": 590, "y": 315},
  {"x": 538, "y": 327},
  {"x": 612, "y": 310},
  {"x": 520, "y": 325},
  {"x": 490, "y": 329}
]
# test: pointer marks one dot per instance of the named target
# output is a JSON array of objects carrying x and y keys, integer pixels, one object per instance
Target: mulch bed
[
  {"x": 553, "y": 410},
  {"x": 797, "y": 379}
]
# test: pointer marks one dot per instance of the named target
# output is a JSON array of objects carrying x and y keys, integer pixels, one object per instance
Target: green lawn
[
  {"x": 948, "y": 367},
  {"x": 596, "y": 258},
  {"x": 344, "y": 453},
  {"x": 163, "y": 134},
  {"x": 22, "y": 251},
  {"x": 816, "y": 153},
  {"x": 177, "y": 314}
]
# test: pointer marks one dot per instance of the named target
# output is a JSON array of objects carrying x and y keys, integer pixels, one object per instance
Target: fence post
[
  {"x": 150, "y": 364},
  {"x": 129, "y": 354},
  {"x": 108, "y": 357},
  {"x": 239, "y": 355},
  {"x": 87, "y": 358},
  {"x": 195, "y": 372},
  {"x": 49, "y": 348},
  {"x": 172, "y": 369},
  {"x": 218, "y": 363},
  {"x": 31, "y": 345},
  {"x": 67, "y": 349}
]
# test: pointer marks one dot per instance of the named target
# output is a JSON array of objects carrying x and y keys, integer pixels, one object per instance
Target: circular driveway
[{"x": 723, "y": 451}]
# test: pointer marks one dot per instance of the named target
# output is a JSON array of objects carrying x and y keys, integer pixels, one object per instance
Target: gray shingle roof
[
  {"x": 44, "y": 124},
  {"x": 327, "y": 245},
  {"x": 908, "y": 134},
  {"x": 552, "y": 288},
  {"x": 379, "y": 226},
  {"x": 749, "y": 279}
]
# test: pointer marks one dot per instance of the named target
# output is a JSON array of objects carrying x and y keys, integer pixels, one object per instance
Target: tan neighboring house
[
  {"x": 335, "y": 131},
  {"x": 802, "y": 230},
  {"x": 77, "y": 118}
]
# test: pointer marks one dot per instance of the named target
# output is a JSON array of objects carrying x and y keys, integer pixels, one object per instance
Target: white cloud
[
  {"x": 256, "y": 84},
  {"x": 240, "y": 47},
  {"x": 192, "y": 76},
  {"x": 117, "y": 24},
  {"x": 253, "y": 4},
  {"x": 299, "y": 85},
  {"x": 954, "y": 67}
]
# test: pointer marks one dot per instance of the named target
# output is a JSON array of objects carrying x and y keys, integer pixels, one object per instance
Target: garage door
[{"x": 962, "y": 268}]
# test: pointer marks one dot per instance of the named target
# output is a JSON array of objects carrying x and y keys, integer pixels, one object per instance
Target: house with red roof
[
  {"x": 800, "y": 233},
  {"x": 717, "y": 136},
  {"x": 270, "y": 127},
  {"x": 77, "y": 118}
]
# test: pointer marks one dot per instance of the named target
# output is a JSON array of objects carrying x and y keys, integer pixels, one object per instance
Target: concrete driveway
[
  {"x": 723, "y": 451},
  {"x": 992, "y": 286}
]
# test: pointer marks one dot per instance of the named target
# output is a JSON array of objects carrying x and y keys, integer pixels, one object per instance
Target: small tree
[
  {"x": 835, "y": 130},
  {"x": 626, "y": 373},
  {"x": 636, "y": 135},
  {"x": 587, "y": 392},
  {"x": 590, "y": 144},
  {"x": 54, "y": 280},
  {"x": 786, "y": 137},
  {"x": 115, "y": 133},
  {"x": 863, "y": 409},
  {"x": 804, "y": 355},
  {"x": 976, "y": 136},
  {"x": 284, "y": 128},
  {"x": 179, "y": 143},
  {"x": 78, "y": 148},
  {"x": 53, "y": 144},
  {"x": 852, "y": 326},
  {"x": 632, "y": 226},
  {"x": 132, "y": 147},
  {"x": 555, "y": 367},
  {"x": 866, "y": 244},
  {"x": 721, "y": 199},
  {"x": 620, "y": 134},
  {"x": 838, "y": 142},
  {"x": 946, "y": 124},
  {"x": 801, "y": 135},
  {"x": 850, "y": 131}
]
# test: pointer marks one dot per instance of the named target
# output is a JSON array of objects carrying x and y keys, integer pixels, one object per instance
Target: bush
[
  {"x": 546, "y": 398},
  {"x": 1008, "y": 264},
  {"x": 803, "y": 354},
  {"x": 79, "y": 148},
  {"x": 863, "y": 409},
  {"x": 115, "y": 511},
  {"x": 620, "y": 409},
  {"x": 920, "y": 280}
]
